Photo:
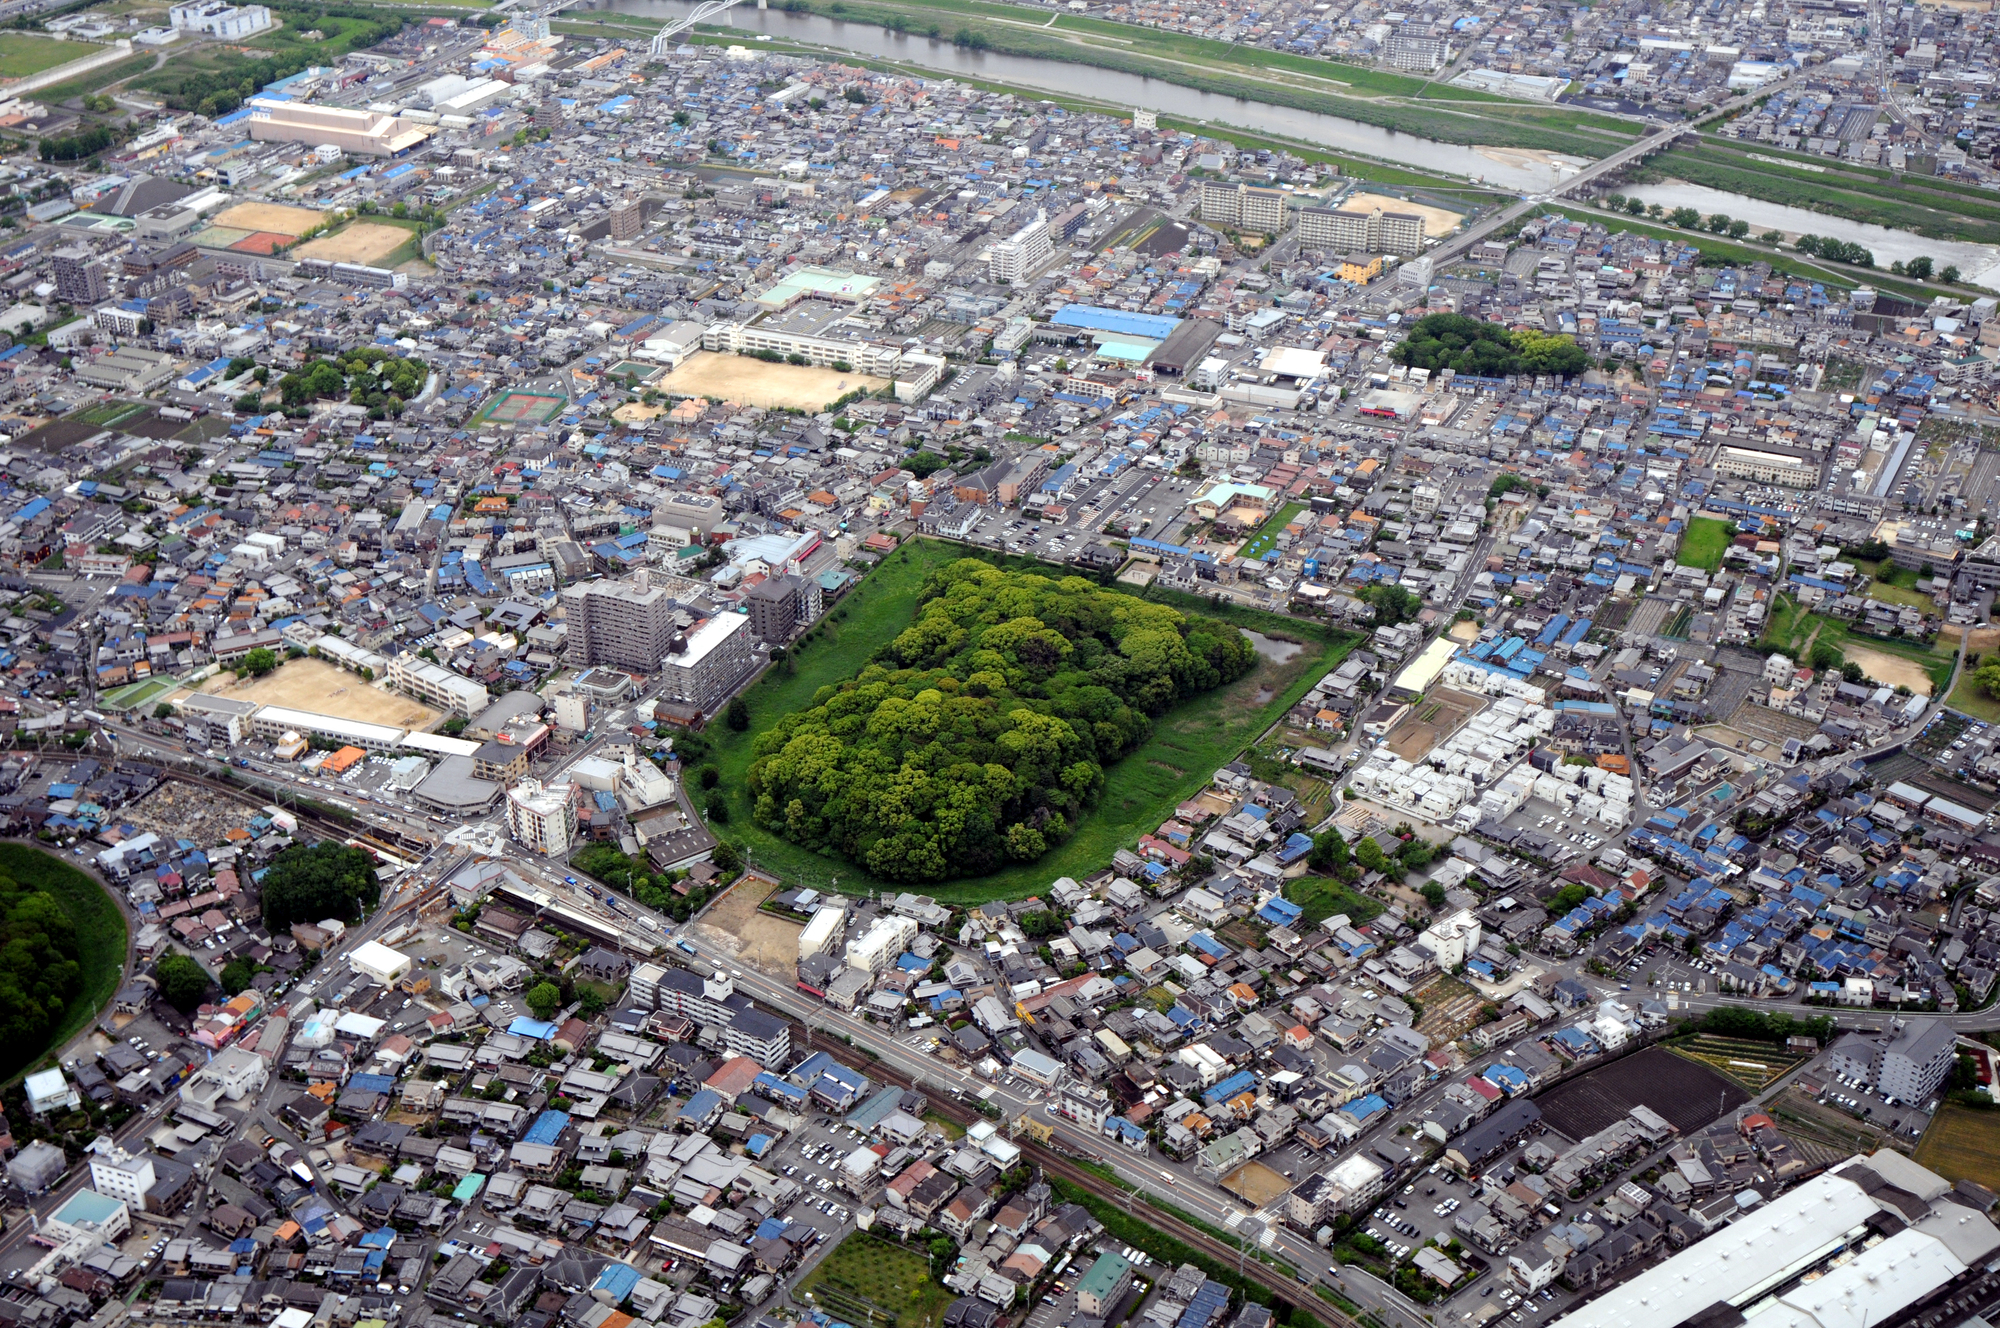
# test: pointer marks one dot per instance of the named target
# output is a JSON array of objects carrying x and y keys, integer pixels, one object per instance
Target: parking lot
[{"x": 1581, "y": 835}]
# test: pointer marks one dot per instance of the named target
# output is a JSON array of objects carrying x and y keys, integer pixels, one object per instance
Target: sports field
[
  {"x": 754, "y": 382},
  {"x": 278, "y": 218},
  {"x": 262, "y": 243},
  {"x": 25, "y": 53},
  {"x": 141, "y": 695},
  {"x": 358, "y": 242},
  {"x": 1963, "y": 1143},
  {"x": 1187, "y": 745},
  {"x": 323, "y": 688}
]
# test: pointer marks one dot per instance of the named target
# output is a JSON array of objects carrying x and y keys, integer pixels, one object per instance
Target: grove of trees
[
  {"x": 40, "y": 971},
  {"x": 1472, "y": 345},
  {"x": 323, "y": 880},
  {"x": 979, "y": 735},
  {"x": 183, "y": 982}
]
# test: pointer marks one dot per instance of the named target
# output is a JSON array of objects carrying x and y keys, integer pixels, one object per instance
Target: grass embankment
[
  {"x": 1835, "y": 192},
  {"x": 1189, "y": 742},
  {"x": 1705, "y": 541},
  {"x": 25, "y": 53},
  {"x": 1369, "y": 96},
  {"x": 100, "y": 932},
  {"x": 1968, "y": 698},
  {"x": 92, "y": 80}
]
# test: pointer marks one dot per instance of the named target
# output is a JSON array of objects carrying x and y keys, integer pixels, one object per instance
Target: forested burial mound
[{"x": 978, "y": 737}]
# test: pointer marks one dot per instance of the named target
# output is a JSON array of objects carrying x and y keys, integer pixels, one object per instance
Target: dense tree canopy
[
  {"x": 325, "y": 880},
  {"x": 1474, "y": 346},
  {"x": 183, "y": 982},
  {"x": 980, "y": 734},
  {"x": 39, "y": 970}
]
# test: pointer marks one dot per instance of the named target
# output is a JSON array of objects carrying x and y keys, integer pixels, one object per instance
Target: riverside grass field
[{"x": 1188, "y": 744}]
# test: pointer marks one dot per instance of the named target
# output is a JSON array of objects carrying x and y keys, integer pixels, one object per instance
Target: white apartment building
[
  {"x": 1350, "y": 230},
  {"x": 436, "y": 685},
  {"x": 1015, "y": 258},
  {"x": 879, "y": 946},
  {"x": 701, "y": 667},
  {"x": 1248, "y": 206},
  {"x": 542, "y": 817}
]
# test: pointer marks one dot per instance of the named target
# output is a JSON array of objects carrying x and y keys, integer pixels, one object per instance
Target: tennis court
[
  {"x": 140, "y": 695},
  {"x": 524, "y": 408}
]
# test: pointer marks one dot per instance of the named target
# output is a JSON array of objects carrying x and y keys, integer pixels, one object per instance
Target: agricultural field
[
  {"x": 25, "y": 53},
  {"x": 870, "y": 1283},
  {"x": 1704, "y": 543},
  {"x": 1963, "y": 1143},
  {"x": 1755, "y": 1065},
  {"x": 1188, "y": 742},
  {"x": 1686, "y": 1092}
]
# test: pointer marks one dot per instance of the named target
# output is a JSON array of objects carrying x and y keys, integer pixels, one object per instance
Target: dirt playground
[
  {"x": 754, "y": 382},
  {"x": 362, "y": 242},
  {"x": 1889, "y": 669},
  {"x": 766, "y": 943},
  {"x": 315, "y": 685},
  {"x": 277, "y": 217}
]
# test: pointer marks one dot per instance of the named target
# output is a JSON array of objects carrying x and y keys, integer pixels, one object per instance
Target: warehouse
[
  {"x": 372, "y": 959},
  {"x": 1857, "y": 1245},
  {"x": 1421, "y": 672}
]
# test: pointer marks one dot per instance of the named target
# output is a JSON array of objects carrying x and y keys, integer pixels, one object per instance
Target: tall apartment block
[
  {"x": 1015, "y": 257},
  {"x": 627, "y": 220},
  {"x": 79, "y": 276},
  {"x": 1246, "y": 206},
  {"x": 626, "y": 624},
  {"x": 1350, "y": 230}
]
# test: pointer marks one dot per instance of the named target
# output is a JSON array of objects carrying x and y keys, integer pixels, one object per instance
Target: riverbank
[{"x": 1397, "y": 103}]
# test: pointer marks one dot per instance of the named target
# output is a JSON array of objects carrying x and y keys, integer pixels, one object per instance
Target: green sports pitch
[
  {"x": 524, "y": 408},
  {"x": 138, "y": 695}
]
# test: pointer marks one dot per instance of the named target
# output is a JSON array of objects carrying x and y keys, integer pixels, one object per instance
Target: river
[
  {"x": 1979, "y": 263},
  {"x": 1521, "y": 172}
]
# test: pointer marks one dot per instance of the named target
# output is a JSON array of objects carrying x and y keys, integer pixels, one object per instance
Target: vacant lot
[
  {"x": 754, "y": 382},
  {"x": 1963, "y": 1143},
  {"x": 1431, "y": 720},
  {"x": 315, "y": 685},
  {"x": 25, "y": 53},
  {"x": 873, "y": 1284},
  {"x": 1437, "y": 221},
  {"x": 1704, "y": 543},
  {"x": 1321, "y": 897},
  {"x": 765, "y": 942},
  {"x": 358, "y": 242},
  {"x": 1140, "y": 792},
  {"x": 292, "y": 221},
  {"x": 1255, "y": 1184},
  {"x": 1687, "y": 1093}
]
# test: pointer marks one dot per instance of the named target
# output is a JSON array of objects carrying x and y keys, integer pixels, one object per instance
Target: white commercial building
[
  {"x": 233, "y": 1074},
  {"x": 120, "y": 1175},
  {"x": 218, "y": 18},
  {"x": 50, "y": 1091},
  {"x": 542, "y": 818},
  {"x": 372, "y": 959}
]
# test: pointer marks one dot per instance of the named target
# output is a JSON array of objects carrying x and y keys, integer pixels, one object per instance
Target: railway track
[{"x": 1054, "y": 1163}]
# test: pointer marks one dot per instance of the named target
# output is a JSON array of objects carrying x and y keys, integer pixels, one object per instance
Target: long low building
[
  {"x": 362, "y": 133},
  {"x": 913, "y": 372},
  {"x": 1858, "y": 1245}
]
